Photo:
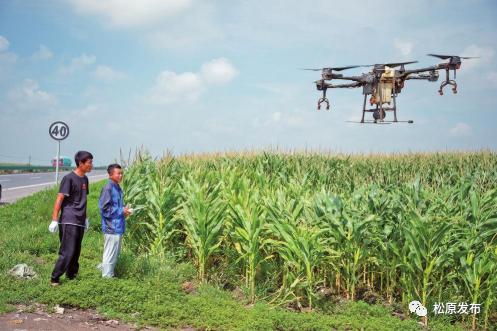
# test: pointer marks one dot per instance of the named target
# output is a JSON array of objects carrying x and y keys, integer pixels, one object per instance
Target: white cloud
[
  {"x": 171, "y": 87},
  {"x": 194, "y": 29},
  {"x": 461, "y": 129},
  {"x": 107, "y": 74},
  {"x": 164, "y": 24},
  {"x": 30, "y": 96},
  {"x": 4, "y": 44},
  {"x": 78, "y": 63},
  {"x": 7, "y": 65},
  {"x": 188, "y": 86},
  {"x": 43, "y": 53},
  {"x": 405, "y": 47},
  {"x": 218, "y": 71},
  {"x": 132, "y": 13}
]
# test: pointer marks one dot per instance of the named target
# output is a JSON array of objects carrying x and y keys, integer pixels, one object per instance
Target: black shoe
[{"x": 54, "y": 283}]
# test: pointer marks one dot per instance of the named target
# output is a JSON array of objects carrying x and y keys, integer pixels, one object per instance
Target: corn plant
[
  {"x": 299, "y": 246},
  {"x": 248, "y": 226},
  {"x": 408, "y": 226},
  {"x": 347, "y": 234},
  {"x": 162, "y": 198},
  {"x": 426, "y": 252},
  {"x": 476, "y": 247},
  {"x": 202, "y": 215}
]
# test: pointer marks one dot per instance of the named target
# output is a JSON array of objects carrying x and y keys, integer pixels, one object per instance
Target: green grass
[{"x": 148, "y": 291}]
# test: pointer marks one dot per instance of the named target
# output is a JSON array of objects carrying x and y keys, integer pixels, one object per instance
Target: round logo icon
[
  {"x": 421, "y": 311},
  {"x": 58, "y": 130},
  {"x": 416, "y": 307},
  {"x": 413, "y": 305}
]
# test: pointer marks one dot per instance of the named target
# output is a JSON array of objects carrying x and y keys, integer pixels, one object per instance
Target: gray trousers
[{"x": 112, "y": 247}]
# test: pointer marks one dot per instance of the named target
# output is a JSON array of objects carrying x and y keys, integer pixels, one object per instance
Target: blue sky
[{"x": 204, "y": 76}]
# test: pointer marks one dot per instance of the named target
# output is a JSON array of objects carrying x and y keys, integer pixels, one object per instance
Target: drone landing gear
[
  {"x": 380, "y": 123},
  {"x": 321, "y": 100},
  {"x": 325, "y": 100},
  {"x": 448, "y": 82},
  {"x": 379, "y": 113}
]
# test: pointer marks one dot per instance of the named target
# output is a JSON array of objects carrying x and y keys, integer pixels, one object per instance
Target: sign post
[{"x": 58, "y": 131}]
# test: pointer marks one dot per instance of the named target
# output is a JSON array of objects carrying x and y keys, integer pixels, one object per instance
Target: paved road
[{"x": 17, "y": 186}]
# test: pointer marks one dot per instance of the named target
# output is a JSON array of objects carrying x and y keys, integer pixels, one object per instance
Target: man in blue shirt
[{"x": 113, "y": 215}]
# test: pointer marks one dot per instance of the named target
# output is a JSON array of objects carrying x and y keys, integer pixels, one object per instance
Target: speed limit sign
[{"x": 58, "y": 130}]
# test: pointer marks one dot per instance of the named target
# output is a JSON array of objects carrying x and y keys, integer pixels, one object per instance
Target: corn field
[{"x": 288, "y": 227}]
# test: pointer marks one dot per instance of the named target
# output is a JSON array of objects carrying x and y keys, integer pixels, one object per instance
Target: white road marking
[
  {"x": 34, "y": 177},
  {"x": 49, "y": 183},
  {"x": 26, "y": 186},
  {"x": 30, "y": 173},
  {"x": 4, "y": 180}
]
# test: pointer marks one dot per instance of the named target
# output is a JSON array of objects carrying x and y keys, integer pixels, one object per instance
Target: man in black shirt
[{"x": 72, "y": 223}]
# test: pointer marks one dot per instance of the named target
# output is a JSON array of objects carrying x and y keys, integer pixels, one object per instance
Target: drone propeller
[
  {"x": 345, "y": 68},
  {"x": 391, "y": 65},
  {"x": 333, "y": 69},
  {"x": 445, "y": 57}
]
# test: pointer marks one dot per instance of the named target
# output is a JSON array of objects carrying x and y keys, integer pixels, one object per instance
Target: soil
[{"x": 37, "y": 318}]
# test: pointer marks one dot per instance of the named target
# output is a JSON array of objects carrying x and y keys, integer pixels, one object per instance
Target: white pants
[{"x": 112, "y": 247}]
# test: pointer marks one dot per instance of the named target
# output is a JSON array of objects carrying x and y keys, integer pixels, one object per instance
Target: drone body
[{"x": 384, "y": 82}]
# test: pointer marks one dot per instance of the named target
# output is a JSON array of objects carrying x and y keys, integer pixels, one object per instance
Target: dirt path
[{"x": 36, "y": 318}]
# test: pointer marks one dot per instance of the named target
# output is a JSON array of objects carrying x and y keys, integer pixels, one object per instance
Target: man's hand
[
  {"x": 87, "y": 224},
  {"x": 53, "y": 227},
  {"x": 127, "y": 211}
]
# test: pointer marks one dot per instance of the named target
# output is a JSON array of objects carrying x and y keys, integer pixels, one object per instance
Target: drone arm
[
  {"x": 432, "y": 76},
  {"x": 352, "y": 78},
  {"x": 420, "y": 70},
  {"x": 421, "y": 77},
  {"x": 351, "y": 85},
  {"x": 322, "y": 86}
]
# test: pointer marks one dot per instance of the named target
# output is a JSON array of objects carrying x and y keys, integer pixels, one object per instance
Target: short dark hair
[
  {"x": 82, "y": 156},
  {"x": 111, "y": 167}
]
